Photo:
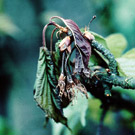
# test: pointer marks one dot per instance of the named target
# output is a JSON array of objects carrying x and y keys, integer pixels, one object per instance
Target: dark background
[{"x": 21, "y": 24}]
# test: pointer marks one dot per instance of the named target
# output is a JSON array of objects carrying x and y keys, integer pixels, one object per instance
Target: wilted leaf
[
  {"x": 82, "y": 45},
  {"x": 117, "y": 44},
  {"x": 46, "y": 94},
  {"x": 127, "y": 63}
]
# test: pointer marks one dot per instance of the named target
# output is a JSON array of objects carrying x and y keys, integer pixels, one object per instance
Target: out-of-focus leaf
[
  {"x": 117, "y": 44},
  {"x": 4, "y": 127},
  {"x": 76, "y": 114},
  {"x": 46, "y": 94},
  {"x": 127, "y": 63},
  {"x": 7, "y": 26},
  {"x": 94, "y": 110},
  {"x": 130, "y": 54}
]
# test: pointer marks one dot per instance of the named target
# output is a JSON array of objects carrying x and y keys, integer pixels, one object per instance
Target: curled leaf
[
  {"x": 46, "y": 93},
  {"x": 83, "y": 46}
]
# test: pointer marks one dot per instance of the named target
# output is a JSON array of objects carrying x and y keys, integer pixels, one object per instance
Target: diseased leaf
[
  {"x": 127, "y": 63},
  {"x": 46, "y": 94},
  {"x": 82, "y": 45},
  {"x": 117, "y": 44}
]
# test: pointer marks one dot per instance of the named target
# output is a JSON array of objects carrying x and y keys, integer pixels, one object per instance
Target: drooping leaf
[
  {"x": 46, "y": 94},
  {"x": 82, "y": 45},
  {"x": 127, "y": 63},
  {"x": 117, "y": 44}
]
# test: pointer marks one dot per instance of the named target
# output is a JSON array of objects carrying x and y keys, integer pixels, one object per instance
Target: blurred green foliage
[
  {"x": 79, "y": 114},
  {"x": 21, "y": 23}
]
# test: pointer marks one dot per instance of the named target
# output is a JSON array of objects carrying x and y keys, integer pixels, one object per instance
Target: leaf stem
[{"x": 43, "y": 33}]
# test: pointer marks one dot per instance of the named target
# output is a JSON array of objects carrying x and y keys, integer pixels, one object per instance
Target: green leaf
[
  {"x": 127, "y": 63},
  {"x": 46, "y": 94},
  {"x": 117, "y": 44},
  {"x": 130, "y": 54},
  {"x": 79, "y": 109}
]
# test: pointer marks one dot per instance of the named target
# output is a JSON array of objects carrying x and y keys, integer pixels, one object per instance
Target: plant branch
[
  {"x": 124, "y": 82},
  {"x": 107, "y": 54}
]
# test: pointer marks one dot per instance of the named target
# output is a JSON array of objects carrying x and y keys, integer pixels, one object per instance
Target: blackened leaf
[
  {"x": 46, "y": 94},
  {"x": 83, "y": 45}
]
